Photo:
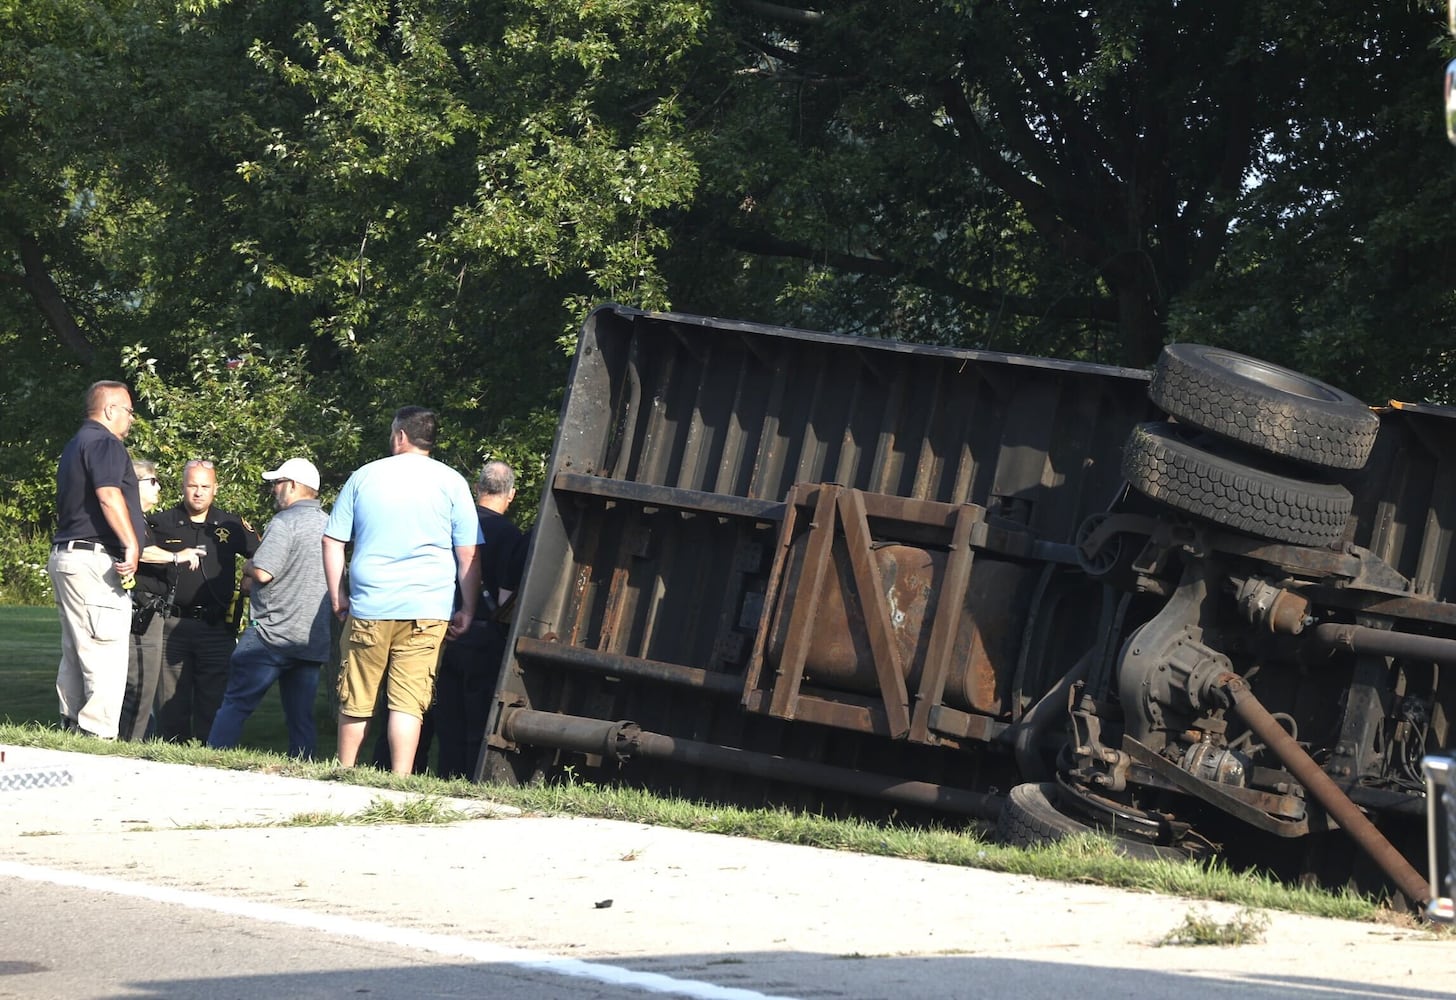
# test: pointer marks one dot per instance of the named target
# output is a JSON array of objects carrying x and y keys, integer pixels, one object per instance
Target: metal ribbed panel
[
  {"x": 645, "y": 549},
  {"x": 703, "y": 409},
  {"x": 1405, "y": 498}
]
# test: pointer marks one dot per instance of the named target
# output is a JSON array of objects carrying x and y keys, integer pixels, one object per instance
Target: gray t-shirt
[{"x": 291, "y": 611}]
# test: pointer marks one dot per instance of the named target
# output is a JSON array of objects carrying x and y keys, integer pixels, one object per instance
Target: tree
[
  {"x": 1055, "y": 176},
  {"x": 411, "y": 202},
  {"x": 375, "y": 203}
]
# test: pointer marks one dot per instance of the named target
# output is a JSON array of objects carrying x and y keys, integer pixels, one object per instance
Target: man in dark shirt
[
  {"x": 199, "y": 632},
  {"x": 470, "y": 665},
  {"x": 93, "y": 561},
  {"x": 154, "y": 576}
]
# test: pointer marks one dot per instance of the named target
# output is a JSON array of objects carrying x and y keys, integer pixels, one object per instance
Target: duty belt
[{"x": 201, "y": 612}]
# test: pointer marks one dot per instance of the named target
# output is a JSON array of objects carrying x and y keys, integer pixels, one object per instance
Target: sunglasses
[
  {"x": 149, "y": 479},
  {"x": 198, "y": 461}
]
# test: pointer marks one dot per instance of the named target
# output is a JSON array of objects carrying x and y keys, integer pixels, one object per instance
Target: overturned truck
[{"x": 1204, "y": 610}]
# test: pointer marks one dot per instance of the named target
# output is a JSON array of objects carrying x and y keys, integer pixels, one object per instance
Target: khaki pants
[{"x": 95, "y": 631}]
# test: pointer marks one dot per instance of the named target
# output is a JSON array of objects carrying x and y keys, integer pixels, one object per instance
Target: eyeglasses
[
  {"x": 197, "y": 461},
  {"x": 128, "y": 409},
  {"x": 149, "y": 479}
]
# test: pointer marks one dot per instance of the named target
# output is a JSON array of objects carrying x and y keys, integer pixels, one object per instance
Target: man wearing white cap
[{"x": 288, "y": 638}]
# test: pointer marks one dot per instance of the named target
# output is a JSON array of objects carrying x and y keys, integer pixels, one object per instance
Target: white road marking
[{"x": 440, "y": 944}]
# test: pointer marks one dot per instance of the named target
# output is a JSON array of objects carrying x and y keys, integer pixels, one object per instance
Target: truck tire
[
  {"x": 1264, "y": 406},
  {"x": 1159, "y": 463},
  {"x": 1031, "y": 817}
]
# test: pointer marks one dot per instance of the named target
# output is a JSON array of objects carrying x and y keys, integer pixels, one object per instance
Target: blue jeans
[{"x": 251, "y": 672}]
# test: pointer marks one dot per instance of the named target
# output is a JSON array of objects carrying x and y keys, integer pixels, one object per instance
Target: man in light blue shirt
[{"x": 414, "y": 531}]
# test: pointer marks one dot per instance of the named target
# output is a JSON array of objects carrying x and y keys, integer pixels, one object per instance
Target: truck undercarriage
[{"x": 1205, "y": 612}]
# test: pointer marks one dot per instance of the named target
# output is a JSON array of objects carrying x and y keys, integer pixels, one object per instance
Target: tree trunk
[
  {"x": 52, "y": 305},
  {"x": 1140, "y": 323}
]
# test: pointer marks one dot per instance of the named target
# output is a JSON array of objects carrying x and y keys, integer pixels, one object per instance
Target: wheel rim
[
  {"x": 1272, "y": 376},
  {"x": 1104, "y": 559},
  {"x": 1108, "y": 814}
]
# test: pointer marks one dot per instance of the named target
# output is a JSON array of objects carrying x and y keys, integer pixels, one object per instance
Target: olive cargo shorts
[{"x": 398, "y": 655}]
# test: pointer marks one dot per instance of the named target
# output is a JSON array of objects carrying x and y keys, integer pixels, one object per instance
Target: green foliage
[
  {"x": 37, "y": 425},
  {"x": 424, "y": 811},
  {"x": 246, "y": 409},
  {"x": 1059, "y": 178},
  {"x": 427, "y": 810},
  {"x": 375, "y": 205},
  {"x": 225, "y": 215},
  {"x": 23, "y": 557}
]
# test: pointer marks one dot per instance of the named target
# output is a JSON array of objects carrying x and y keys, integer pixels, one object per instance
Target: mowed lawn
[{"x": 30, "y": 649}]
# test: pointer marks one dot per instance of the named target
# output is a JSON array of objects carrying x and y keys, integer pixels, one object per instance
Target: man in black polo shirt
[
  {"x": 93, "y": 559},
  {"x": 199, "y": 632},
  {"x": 470, "y": 664}
]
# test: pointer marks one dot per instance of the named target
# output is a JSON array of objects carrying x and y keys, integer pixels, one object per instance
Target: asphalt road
[{"x": 110, "y": 887}]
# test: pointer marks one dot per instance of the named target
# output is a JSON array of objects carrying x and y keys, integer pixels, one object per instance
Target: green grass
[
  {"x": 1246, "y": 927},
  {"x": 30, "y": 649}
]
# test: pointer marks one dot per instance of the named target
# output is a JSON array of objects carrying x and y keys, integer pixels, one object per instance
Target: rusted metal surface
[
  {"x": 680, "y": 442},
  {"x": 625, "y": 740},
  {"x": 904, "y": 576},
  {"x": 1383, "y": 642},
  {"x": 856, "y": 609},
  {"x": 1336, "y": 803},
  {"x": 810, "y": 587},
  {"x": 613, "y": 665},
  {"x": 886, "y": 662},
  {"x": 1228, "y": 799},
  {"x": 831, "y": 556},
  {"x": 941, "y": 647}
]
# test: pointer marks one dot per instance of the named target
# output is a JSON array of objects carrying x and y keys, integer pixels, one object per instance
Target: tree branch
[
  {"x": 51, "y": 303},
  {"x": 764, "y": 244},
  {"x": 1216, "y": 198},
  {"x": 777, "y": 12},
  {"x": 1034, "y": 199}
]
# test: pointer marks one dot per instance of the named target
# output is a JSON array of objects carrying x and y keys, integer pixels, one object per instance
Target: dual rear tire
[{"x": 1254, "y": 447}]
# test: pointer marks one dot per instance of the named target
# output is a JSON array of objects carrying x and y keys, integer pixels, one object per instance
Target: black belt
[
  {"x": 202, "y": 612},
  {"x": 82, "y": 543}
]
